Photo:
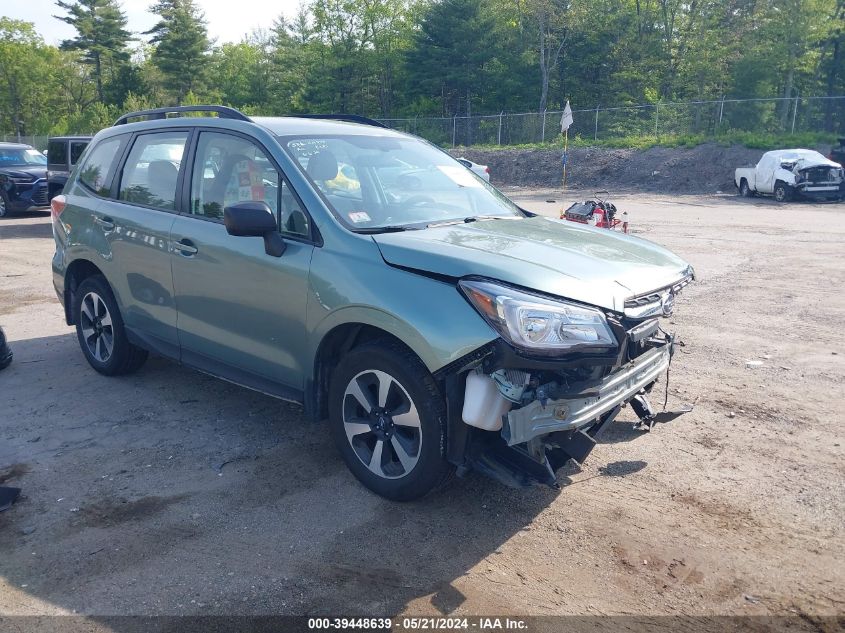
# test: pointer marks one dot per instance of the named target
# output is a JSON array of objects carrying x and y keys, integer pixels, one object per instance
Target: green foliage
[
  {"x": 25, "y": 62},
  {"x": 441, "y": 58},
  {"x": 101, "y": 37},
  {"x": 181, "y": 47},
  {"x": 451, "y": 53}
]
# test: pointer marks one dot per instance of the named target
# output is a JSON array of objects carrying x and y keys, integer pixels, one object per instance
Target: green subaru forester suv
[{"x": 370, "y": 277}]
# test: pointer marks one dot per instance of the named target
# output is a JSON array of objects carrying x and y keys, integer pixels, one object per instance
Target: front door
[
  {"x": 137, "y": 228},
  {"x": 241, "y": 312}
]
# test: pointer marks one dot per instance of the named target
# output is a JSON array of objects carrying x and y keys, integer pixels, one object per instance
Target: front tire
[
  {"x": 783, "y": 192},
  {"x": 100, "y": 330},
  {"x": 388, "y": 419},
  {"x": 4, "y": 204}
]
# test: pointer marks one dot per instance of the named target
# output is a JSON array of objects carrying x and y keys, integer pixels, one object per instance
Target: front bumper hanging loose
[{"x": 540, "y": 418}]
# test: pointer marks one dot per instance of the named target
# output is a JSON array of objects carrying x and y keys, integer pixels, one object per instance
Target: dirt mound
[{"x": 704, "y": 169}]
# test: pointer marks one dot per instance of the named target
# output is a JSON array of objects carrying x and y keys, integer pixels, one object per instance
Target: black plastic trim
[
  {"x": 351, "y": 118},
  {"x": 223, "y": 112}
]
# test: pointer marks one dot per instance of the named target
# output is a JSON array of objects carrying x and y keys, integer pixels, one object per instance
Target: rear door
[
  {"x": 135, "y": 223},
  {"x": 241, "y": 312}
]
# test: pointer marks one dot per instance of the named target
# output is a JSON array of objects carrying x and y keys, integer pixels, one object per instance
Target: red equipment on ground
[{"x": 598, "y": 212}]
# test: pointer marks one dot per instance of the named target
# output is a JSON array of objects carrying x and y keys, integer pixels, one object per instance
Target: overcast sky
[{"x": 228, "y": 20}]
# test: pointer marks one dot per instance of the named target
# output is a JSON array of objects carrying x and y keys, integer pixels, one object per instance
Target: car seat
[{"x": 161, "y": 182}]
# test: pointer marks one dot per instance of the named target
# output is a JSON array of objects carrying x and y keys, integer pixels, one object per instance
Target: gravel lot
[{"x": 170, "y": 492}]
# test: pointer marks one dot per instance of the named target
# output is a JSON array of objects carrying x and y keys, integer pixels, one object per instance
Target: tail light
[
  {"x": 57, "y": 205},
  {"x": 487, "y": 169}
]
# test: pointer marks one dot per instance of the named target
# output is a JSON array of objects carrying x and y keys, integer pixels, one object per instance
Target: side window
[
  {"x": 229, "y": 169},
  {"x": 76, "y": 149},
  {"x": 292, "y": 217},
  {"x": 57, "y": 152},
  {"x": 98, "y": 169},
  {"x": 152, "y": 168}
]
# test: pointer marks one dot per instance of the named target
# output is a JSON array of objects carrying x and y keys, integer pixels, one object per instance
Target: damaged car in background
[
  {"x": 434, "y": 323},
  {"x": 788, "y": 173}
]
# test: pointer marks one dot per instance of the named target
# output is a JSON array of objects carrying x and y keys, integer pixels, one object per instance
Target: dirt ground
[{"x": 170, "y": 492}]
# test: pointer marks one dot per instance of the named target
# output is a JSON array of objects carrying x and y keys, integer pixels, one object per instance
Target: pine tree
[
  {"x": 450, "y": 53},
  {"x": 102, "y": 35},
  {"x": 181, "y": 45}
]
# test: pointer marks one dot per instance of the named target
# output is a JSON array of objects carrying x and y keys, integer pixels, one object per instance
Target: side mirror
[{"x": 254, "y": 219}]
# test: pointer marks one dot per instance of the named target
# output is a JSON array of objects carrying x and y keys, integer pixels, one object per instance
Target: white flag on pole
[{"x": 566, "y": 119}]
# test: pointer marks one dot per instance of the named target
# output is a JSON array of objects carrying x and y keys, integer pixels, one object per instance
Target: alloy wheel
[
  {"x": 97, "y": 329},
  {"x": 382, "y": 424}
]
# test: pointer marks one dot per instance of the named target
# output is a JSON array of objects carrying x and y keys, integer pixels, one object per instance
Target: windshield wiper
[
  {"x": 390, "y": 228},
  {"x": 467, "y": 220}
]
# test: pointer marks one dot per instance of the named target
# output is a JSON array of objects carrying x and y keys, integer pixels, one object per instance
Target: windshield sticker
[
  {"x": 460, "y": 175},
  {"x": 359, "y": 216}
]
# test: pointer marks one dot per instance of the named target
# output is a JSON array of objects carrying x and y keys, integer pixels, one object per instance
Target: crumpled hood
[
  {"x": 808, "y": 163},
  {"x": 566, "y": 259}
]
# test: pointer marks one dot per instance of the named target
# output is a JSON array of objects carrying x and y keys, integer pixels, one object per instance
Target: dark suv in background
[
  {"x": 62, "y": 154},
  {"x": 23, "y": 178}
]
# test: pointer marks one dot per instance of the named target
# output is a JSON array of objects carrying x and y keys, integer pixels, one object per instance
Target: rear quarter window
[
  {"x": 57, "y": 152},
  {"x": 98, "y": 169},
  {"x": 76, "y": 149}
]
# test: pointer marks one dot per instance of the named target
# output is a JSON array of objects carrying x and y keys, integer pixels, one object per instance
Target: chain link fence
[
  {"x": 38, "y": 142},
  {"x": 699, "y": 118}
]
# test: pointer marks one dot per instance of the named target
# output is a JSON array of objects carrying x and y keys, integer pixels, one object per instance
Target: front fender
[
  {"x": 429, "y": 315},
  {"x": 784, "y": 175}
]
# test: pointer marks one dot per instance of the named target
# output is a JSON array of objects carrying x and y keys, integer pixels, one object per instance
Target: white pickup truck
[{"x": 785, "y": 173}]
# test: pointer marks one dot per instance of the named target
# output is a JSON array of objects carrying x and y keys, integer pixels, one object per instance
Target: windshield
[
  {"x": 376, "y": 182},
  {"x": 21, "y": 156}
]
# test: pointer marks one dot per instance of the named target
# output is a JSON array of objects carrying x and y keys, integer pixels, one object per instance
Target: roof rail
[
  {"x": 223, "y": 112},
  {"x": 352, "y": 118}
]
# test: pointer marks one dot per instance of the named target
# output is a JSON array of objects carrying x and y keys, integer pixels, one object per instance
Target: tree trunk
[
  {"x": 469, "y": 114},
  {"x": 544, "y": 66},
  {"x": 787, "y": 89},
  {"x": 98, "y": 69}
]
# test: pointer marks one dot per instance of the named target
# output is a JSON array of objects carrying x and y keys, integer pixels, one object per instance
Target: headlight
[{"x": 537, "y": 324}]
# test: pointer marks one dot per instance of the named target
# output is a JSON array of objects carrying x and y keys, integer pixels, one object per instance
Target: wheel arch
[
  {"x": 340, "y": 339},
  {"x": 788, "y": 189},
  {"x": 77, "y": 271}
]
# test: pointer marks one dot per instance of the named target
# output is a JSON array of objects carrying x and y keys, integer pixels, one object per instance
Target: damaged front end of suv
[{"x": 561, "y": 371}]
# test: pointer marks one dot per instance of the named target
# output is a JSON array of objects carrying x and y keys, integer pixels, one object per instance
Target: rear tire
[
  {"x": 745, "y": 190},
  {"x": 388, "y": 419},
  {"x": 100, "y": 330},
  {"x": 783, "y": 192}
]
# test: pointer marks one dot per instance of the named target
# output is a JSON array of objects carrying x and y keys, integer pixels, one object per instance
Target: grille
[
  {"x": 652, "y": 304},
  {"x": 39, "y": 196}
]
